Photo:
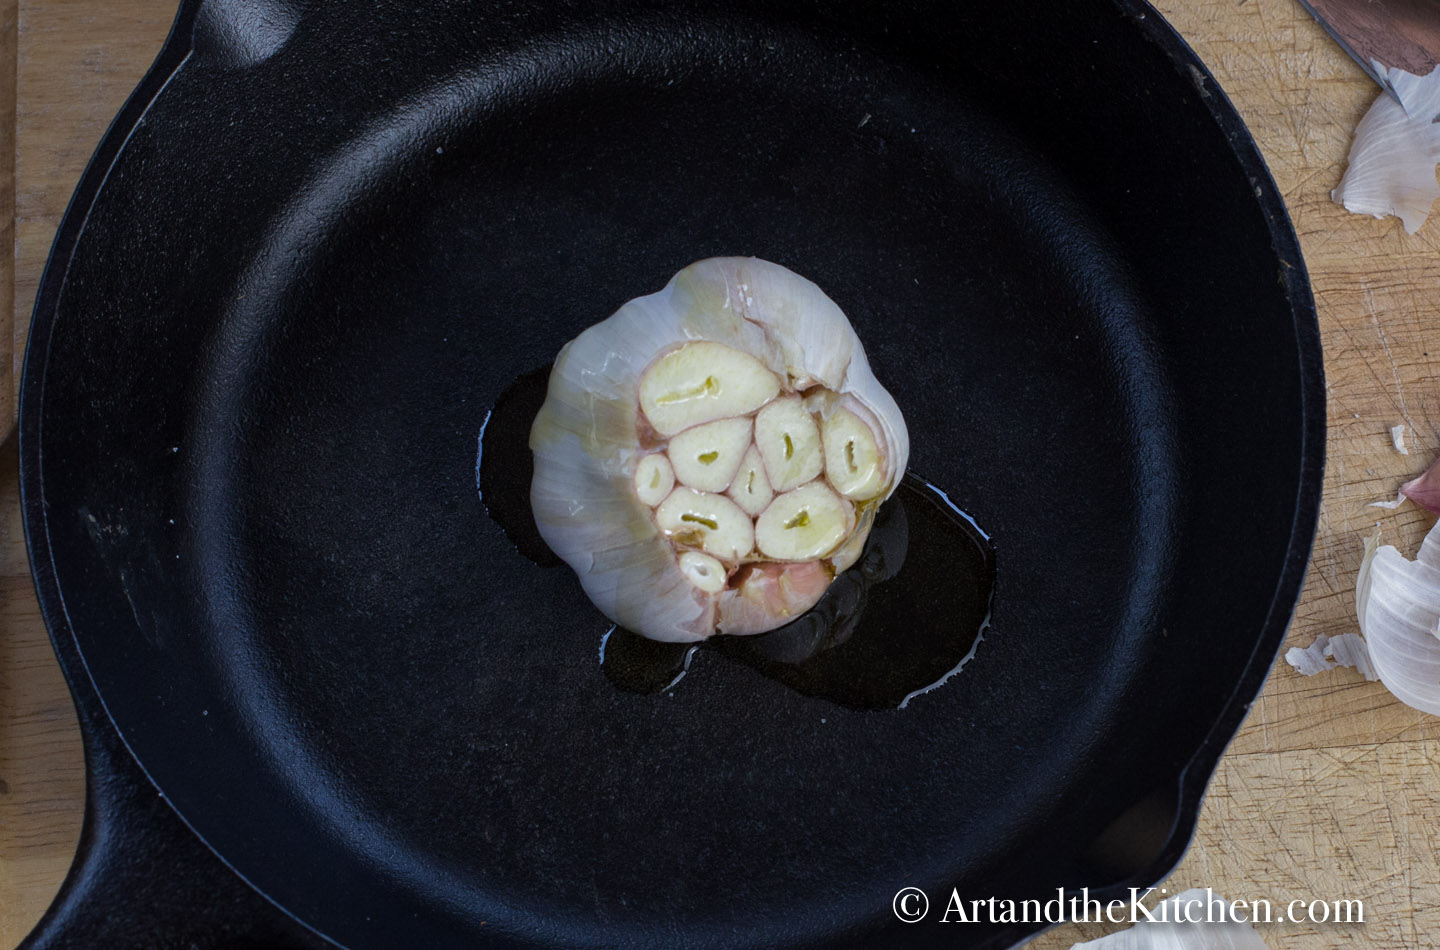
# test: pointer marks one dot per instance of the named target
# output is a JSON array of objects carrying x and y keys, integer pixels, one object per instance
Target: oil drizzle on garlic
[{"x": 904, "y": 619}]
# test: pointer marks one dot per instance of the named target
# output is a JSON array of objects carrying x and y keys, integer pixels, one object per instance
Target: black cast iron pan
[{"x": 322, "y": 239}]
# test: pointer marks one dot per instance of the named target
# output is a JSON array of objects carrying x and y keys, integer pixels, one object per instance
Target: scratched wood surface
[{"x": 1330, "y": 791}]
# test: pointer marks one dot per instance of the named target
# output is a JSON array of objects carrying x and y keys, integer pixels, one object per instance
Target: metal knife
[{"x": 1381, "y": 34}]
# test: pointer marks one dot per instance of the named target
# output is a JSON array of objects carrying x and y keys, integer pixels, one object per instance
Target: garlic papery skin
[
  {"x": 680, "y": 457},
  {"x": 766, "y": 596},
  {"x": 1393, "y": 155},
  {"x": 1397, "y": 602}
]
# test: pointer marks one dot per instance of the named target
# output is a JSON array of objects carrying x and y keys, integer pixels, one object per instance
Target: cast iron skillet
[{"x": 320, "y": 241}]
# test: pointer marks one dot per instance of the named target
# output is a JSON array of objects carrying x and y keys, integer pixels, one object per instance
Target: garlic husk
[
  {"x": 1393, "y": 155},
  {"x": 591, "y": 435},
  {"x": 1397, "y": 438},
  {"x": 1325, "y": 653},
  {"x": 1397, "y": 602},
  {"x": 770, "y": 592}
]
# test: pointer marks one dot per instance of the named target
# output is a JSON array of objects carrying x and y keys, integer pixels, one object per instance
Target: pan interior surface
[{"x": 294, "y": 303}]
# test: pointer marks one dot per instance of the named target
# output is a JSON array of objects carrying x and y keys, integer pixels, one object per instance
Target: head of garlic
[{"x": 711, "y": 456}]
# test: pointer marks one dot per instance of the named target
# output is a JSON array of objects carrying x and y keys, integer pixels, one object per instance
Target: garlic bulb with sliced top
[{"x": 711, "y": 456}]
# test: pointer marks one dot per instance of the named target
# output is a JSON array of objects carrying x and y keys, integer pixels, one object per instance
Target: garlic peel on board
[
  {"x": 1397, "y": 603},
  {"x": 692, "y": 424},
  {"x": 1396, "y": 147}
]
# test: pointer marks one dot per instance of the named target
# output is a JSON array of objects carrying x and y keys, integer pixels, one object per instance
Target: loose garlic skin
[{"x": 711, "y": 456}]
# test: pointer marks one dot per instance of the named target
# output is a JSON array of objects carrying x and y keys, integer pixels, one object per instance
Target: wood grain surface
[{"x": 1330, "y": 791}]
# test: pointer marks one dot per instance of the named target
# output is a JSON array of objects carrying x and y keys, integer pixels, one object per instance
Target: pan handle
[{"x": 140, "y": 877}]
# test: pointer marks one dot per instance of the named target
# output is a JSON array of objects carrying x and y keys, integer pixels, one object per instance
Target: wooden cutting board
[{"x": 1330, "y": 791}]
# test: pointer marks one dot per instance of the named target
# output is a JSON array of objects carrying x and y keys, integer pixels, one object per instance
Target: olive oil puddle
[
  {"x": 906, "y": 617},
  {"x": 504, "y": 465}
]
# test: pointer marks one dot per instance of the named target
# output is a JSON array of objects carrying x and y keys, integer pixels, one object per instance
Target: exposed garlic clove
[
  {"x": 854, "y": 462},
  {"x": 701, "y": 382},
  {"x": 816, "y": 343},
  {"x": 654, "y": 478},
  {"x": 703, "y": 571},
  {"x": 804, "y": 524},
  {"x": 750, "y": 489},
  {"x": 707, "y": 456},
  {"x": 704, "y": 520},
  {"x": 770, "y": 595},
  {"x": 789, "y": 442}
]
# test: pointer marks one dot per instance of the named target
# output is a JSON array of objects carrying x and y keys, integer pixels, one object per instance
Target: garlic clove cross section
[
  {"x": 701, "y": 382},
  {"x": 750, "y": 488},
  {"x": 854, "y": 462},
  {"x": 704, "y": 571},
  {"x": 711, "y": 456},
  {"x": 707, "y": 456},
  {"x": 789, "y": 442},
  {"x": 654, "y": 478},
  {"x": 710, "y": 522},
  {"x": 804, "y": 524}
]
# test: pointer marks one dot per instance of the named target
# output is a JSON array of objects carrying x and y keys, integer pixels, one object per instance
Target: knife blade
[{"x": 1383, "y": 34}]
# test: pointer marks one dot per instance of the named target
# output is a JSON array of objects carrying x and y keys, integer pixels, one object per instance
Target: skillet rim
[
  {"x": 1195, "y": 776},
  {"x": 1192, "y": 779}
]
